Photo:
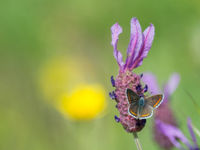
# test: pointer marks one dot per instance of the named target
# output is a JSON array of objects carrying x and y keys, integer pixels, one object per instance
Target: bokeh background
[{"x": 55, "y": 57}]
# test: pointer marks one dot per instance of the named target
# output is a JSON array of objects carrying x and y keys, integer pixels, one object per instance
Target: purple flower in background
[
  {"x": 172, "y": 133},
  {"x": 190, "y": 128},
  {"x": 163, "y": 114},
  {"x": 166, "y": 132},
  {"x": 175, "y": 136},
  {"x": 138, "y": 48}
]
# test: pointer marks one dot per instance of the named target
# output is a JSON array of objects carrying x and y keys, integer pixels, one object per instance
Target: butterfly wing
[
  {"x": 147, "y": 112},
  {"x": 132, "y": 96},
  {"x": 155, "y": 100},
  {"x": 133, "y": 110}
]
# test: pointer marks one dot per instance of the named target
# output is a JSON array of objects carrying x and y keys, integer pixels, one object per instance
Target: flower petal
[
  {"x": 173, "y": 133},
  {"x": 136, "y": 42},
  {"x": 148, "y": 40},
  {"x": 172, "y": 84},
  {"x": 116, "y": 31},
  {"x": 189, "y": 123},
  {"x": 150, "y": 80}
]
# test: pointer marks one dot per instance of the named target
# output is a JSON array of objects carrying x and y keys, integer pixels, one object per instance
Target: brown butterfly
[{"x": 140, "y": 107}]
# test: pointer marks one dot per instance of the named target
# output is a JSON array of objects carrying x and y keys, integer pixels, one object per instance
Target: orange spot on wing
[
  {"x": 133, "y": 113},
  {"x": 145, "y": 115},
  {"x": 157, "y": 102}
]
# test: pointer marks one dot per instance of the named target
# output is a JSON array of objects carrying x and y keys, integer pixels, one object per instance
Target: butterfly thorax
[{"x": 141, "y": 102}]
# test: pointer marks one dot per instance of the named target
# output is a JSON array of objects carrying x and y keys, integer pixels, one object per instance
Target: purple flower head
[
  {"x": 166, "y": 131},
  {"x": 172, "y": 133},
  {"x": 139, "y": 46},
  {"x": 175, "y": 136},
  {"x": 163, "y": 113}
]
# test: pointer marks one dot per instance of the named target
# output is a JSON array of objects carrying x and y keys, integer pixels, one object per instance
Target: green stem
[{"x": 137, "y": 142}]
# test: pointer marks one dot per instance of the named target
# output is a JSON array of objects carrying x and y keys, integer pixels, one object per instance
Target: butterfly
[{"x": 142, "y": 107}]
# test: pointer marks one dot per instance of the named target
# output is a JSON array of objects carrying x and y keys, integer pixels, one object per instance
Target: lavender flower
[
  {"x": 175, "y": 136},
  {"x": 138, "y": 48},
  {"x": 163, "y": 114}
]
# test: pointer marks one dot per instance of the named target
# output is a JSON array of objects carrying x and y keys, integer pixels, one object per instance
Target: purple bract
[{"x": 138, "y": 48}]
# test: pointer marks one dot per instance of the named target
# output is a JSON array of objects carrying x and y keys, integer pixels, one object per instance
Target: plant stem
[{"x": 137, "y": 142}]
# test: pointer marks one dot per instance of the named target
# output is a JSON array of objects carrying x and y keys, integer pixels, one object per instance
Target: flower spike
[{"x": 139, "y": 45}]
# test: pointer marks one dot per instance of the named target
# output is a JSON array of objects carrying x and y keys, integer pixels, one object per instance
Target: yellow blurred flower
[
  {"x": 57, "y": 76},
  {"x": 62, "y": 82},
  {"x": 84, "y": 102}
]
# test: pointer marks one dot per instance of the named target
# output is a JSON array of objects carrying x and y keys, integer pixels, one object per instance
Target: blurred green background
[{"x": 35, "y": 32}]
